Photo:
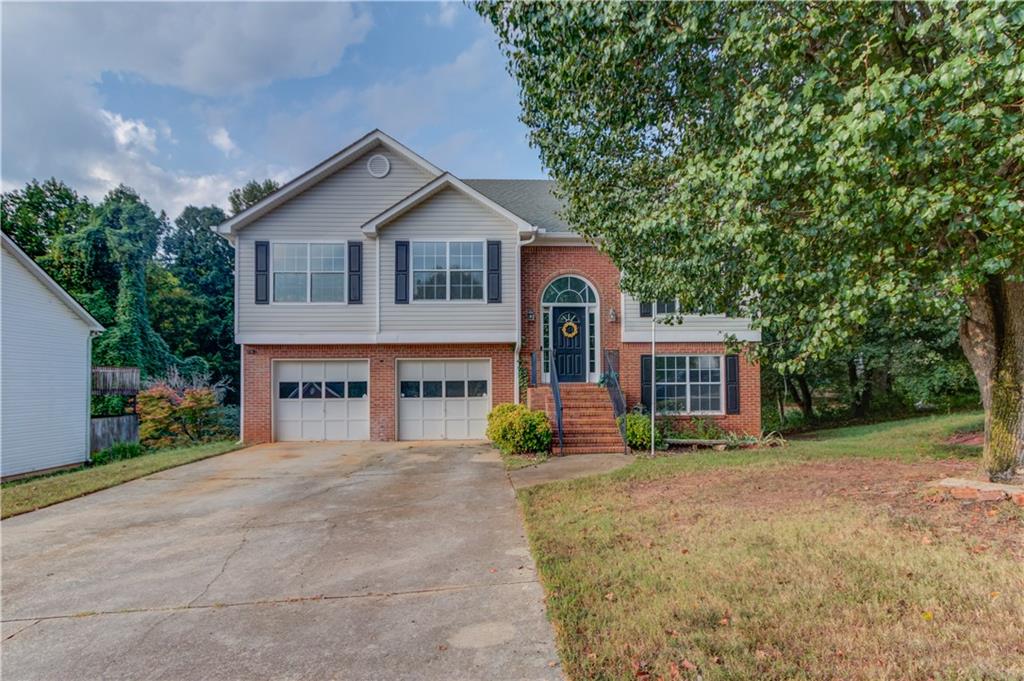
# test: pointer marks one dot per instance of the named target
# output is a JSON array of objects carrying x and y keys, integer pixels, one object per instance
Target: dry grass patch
[{"x": 834, "y": 568}]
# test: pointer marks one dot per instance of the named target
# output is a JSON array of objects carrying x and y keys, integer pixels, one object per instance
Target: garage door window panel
[
  {"x": 357, "y": 390},
  {"x": 334, "y": 390},
  {"x": 477, "y": 388},
  {"x": 288, "y": 390},
  {"x": 410, "y": 389}
]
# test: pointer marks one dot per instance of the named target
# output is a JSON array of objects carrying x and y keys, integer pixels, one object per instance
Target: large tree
[
  {"x": 36, "y": 216},
  {"x": 252, "y": 192},
  {"x": 809, "y": 164},
  {"x": 192, "y": 291}
]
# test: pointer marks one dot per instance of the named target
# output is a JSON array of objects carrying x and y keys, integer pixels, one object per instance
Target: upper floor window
[
  {"x": 667, "y": 306},
  {"x": 308, "y": 272},
  {"x": 447, "y": 270}
]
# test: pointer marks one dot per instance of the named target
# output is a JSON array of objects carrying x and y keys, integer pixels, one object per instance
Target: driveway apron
[{"x": 284, "y": 561}]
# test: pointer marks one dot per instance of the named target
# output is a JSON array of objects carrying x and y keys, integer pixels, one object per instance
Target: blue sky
[{"x": 184, "y": 101}]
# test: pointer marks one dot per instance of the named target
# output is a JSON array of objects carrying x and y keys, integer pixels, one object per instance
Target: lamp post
[{"x": 654, "y": 387}]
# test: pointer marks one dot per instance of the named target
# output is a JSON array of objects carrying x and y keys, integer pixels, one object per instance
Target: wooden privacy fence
[
  {"x": 115, "y": 380},
  {"x": 109, "y": 430}
]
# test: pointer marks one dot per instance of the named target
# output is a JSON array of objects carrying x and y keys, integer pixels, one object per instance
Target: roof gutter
[{"x": 519, "y": 309}]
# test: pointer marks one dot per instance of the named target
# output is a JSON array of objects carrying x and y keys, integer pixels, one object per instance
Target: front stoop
[
  {"x": 965, "y": 489},
  {"x": 588, "y": 423}
]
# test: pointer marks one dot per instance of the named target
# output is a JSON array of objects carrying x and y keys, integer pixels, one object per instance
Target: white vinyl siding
[
  {"x": 450, "y": 216},
  {"x": 332, "y": 211},
  {"x": 694, "y": 328},
  {"x": 45, "y": 376}
]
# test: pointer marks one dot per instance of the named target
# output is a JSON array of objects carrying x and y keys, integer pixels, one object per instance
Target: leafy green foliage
[
  {"x": 118, "y": 452},
  {"x": 811, "y": 165},
  {"x": 516, "y": 429},
  {"x": 638, "y": 431},
  {"x": 40, "y": 213},
  {"x": 252, "y": 193}
]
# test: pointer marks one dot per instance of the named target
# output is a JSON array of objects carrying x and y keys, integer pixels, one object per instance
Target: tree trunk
[
  {"x": 992, "y": 337},
  {"x": 800, "y": 391},
  {"x": 780, "y": 403}
]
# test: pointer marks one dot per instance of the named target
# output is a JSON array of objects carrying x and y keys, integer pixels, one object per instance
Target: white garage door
[
  {"x": 443, "y": 399},
  {"x": 327, "y": 400}
]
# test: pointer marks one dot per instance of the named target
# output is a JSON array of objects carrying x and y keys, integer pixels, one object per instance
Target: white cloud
[
  {"x": 447, "y": 13},
  {"x": 220, "y": 138},
  {"x": 131, "y": 135},
  {"x": 56, "y": 124}
]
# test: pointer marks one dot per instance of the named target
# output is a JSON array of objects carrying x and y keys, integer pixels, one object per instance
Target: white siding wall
[
  {"x": 44, "y": 376},
  {"x": 708, "y": 328},
  {"x": 333, "y": 210},
  {"x": 450, "y": 215}
]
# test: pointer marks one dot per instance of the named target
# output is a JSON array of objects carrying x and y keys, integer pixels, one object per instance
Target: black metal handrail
[
  {"x": 611, "y": 383},
  {"x": 556, "y": 394}
]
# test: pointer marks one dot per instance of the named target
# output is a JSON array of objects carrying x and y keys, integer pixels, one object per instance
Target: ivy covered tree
[
  {"x": 132, "y": 233},
  {"x": 809, "y": 164}
]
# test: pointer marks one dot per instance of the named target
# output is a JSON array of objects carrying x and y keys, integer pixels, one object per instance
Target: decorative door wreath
[{"x": 570, "y": 329}]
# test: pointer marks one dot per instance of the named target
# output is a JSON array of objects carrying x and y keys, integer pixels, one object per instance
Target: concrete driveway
[{"x": 285, "y": 561}]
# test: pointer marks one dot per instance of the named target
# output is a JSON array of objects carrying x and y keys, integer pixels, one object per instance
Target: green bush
[
  {"x": 701, "y": 429},
  {"x": 515, "y": 429},
  {"x": 638, "y": 431},
  {"x": 118, "y": 452}
]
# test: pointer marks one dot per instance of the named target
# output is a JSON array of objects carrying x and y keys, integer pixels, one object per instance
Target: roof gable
[
  {"x": 321, "y": 171},
  {"x": 56, "y": 289},
  {"x": 425, "y": 192}
]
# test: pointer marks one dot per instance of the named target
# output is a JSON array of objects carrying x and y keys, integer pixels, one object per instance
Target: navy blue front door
[{"x": 569, "y": 343}]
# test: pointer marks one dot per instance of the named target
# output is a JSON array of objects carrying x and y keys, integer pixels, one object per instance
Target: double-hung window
[
  {"x": 447, "y": 270},
  {"x": 308, "y": 273},
  {"x": 670, "y": 306},
  {"x": 688, "y": 384}
]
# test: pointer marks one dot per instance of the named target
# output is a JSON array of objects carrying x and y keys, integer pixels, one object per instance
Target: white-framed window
[
  {"x": 308, "y": 272},
  {"x": 688, "y": 384},
  {"x": 670, "y": 306},
  {"x": 448, "y": 270}
]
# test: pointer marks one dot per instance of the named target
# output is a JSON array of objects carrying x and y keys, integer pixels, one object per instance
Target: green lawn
[
  {"x": 21, "y": 496},
  {"x": 826, "y": 559}
]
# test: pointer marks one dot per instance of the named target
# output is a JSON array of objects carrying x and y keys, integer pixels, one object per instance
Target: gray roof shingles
[{"x": 532, "y": 200}]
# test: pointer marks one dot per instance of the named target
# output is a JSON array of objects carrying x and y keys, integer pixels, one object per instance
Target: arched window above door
[{"x": 569, "y": 289}]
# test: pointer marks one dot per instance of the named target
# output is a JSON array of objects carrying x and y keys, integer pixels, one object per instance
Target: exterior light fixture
[
  {"x": 613, "y": 315},
  {"x": 530, "y": 316}
]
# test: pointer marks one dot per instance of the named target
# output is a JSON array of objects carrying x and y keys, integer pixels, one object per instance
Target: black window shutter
[
  {"x": 732, "y": 384},
  {"x": 645, "y": 381},
  {"x": 645, "y": 310},
  {"x": 262, "y": 272},
  {"x": 493, "y": 271},
  {"x": 401, "y": 272},
  {"x": 355, "y": 272}
]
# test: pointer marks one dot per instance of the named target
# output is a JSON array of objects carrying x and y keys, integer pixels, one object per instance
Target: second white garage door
[
  {"x": 443, "y": 399},
  {"x": 326, "y": 400}
]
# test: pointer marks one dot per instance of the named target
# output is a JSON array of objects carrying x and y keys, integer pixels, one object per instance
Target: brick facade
[
  {"x": 540, "y": 266},
  {"x": 258, "y": 377},
  {"x": 543, "y": 264}
]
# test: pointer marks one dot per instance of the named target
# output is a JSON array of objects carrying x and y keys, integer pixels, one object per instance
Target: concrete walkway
[
  {"x": 292, "y": 561},
  {"x": 568, "y": 468}
]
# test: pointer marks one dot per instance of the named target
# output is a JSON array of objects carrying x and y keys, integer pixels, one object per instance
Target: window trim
[
  {"x": 309, "y": 272},
  {"x": 448, "y": 271},
  {"x": 688, "y": 412}
]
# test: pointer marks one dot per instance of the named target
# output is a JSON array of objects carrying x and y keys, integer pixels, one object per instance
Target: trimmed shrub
[
  {"x": 638, "y": 431},
  {"x": 702, "y": 429},
  {"x": 168, "y": 418},
  {"x": 118, "y": 452},
  {"x": 515, "y": 429}
]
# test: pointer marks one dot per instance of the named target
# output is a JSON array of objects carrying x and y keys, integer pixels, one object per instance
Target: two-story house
[{"x": 379, "y": 297}]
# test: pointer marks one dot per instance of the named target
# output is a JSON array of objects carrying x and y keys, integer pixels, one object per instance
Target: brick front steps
[
  {"x": 588, "y": 424},
  {"x": 975, "y": 490}
]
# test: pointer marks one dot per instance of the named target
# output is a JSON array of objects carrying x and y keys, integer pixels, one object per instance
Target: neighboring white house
[{"x": 46, "y": 371}]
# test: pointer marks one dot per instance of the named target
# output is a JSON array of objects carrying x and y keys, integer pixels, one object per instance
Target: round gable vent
[{"x": 378, "y": 165}]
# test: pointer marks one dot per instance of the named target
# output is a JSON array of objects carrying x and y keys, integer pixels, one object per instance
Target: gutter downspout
[{"x": 519, "y": 310}]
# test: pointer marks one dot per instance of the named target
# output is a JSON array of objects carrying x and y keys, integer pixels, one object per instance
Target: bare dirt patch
[
  {"x": 896, "y": 489},
  {"x": 974, "y": 439}
]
